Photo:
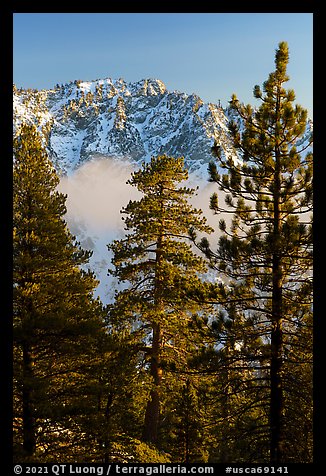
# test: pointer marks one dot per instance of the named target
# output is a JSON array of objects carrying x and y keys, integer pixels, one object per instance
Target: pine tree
[
  {"x": 121, "y": 398},
  {"x": 161, "y": 269},
  {"x": 266, "y": 254},
  {"x": 57, "y": 322},
  {"x": 229, "y": 368},
  {"x": 188, "y": 428}
]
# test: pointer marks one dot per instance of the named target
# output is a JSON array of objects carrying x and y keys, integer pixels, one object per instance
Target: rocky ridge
[{"x": 82, "y": 120}]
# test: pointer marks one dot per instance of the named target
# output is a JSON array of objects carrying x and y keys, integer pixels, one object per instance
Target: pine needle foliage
[
  {"x": 57, "y": 322},
  {"x": 161, "y": 270},
  {"x": 265, "y": 255}
]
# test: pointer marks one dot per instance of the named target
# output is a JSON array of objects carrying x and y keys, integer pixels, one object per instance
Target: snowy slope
[{"x": 83, "y": 120}]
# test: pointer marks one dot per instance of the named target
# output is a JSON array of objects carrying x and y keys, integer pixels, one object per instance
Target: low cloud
[{"x": 97, "y": 191}]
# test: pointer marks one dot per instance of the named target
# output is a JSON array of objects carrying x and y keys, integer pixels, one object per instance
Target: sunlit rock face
[{"x": 82, "y": 120}]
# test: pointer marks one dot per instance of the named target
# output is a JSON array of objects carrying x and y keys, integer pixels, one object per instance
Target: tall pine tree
[
  {"x": 57, "y": 322},
  {"x": 266, "y": 253},
  {"x": 161, "y": 269}
]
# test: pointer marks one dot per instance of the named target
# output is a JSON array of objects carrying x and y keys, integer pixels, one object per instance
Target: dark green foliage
[
  {"x": 57, "y": 322},
  {"x": 266, "y": 256},
  {"x": 161, "y": 269}
]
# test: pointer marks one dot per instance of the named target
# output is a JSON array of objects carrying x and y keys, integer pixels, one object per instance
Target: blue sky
[{"x": 210, "y": 54}]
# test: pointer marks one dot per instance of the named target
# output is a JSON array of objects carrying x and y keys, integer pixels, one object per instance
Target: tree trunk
[
  {"x": 152, "y": 415},
  {"x": 225, "y": 457},
  {"x": 150, "y": 433},
  {"x": 276, "y": 391},
  {"x": 29, "y": 438},
  {"x": 106, "y": 436},
  {"x": 276, "y": 403},
  {"x": 187, "y": 429}
]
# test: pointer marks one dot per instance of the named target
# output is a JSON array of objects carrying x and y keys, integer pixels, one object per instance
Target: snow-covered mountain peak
[{"x": 109, "y": 117}]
